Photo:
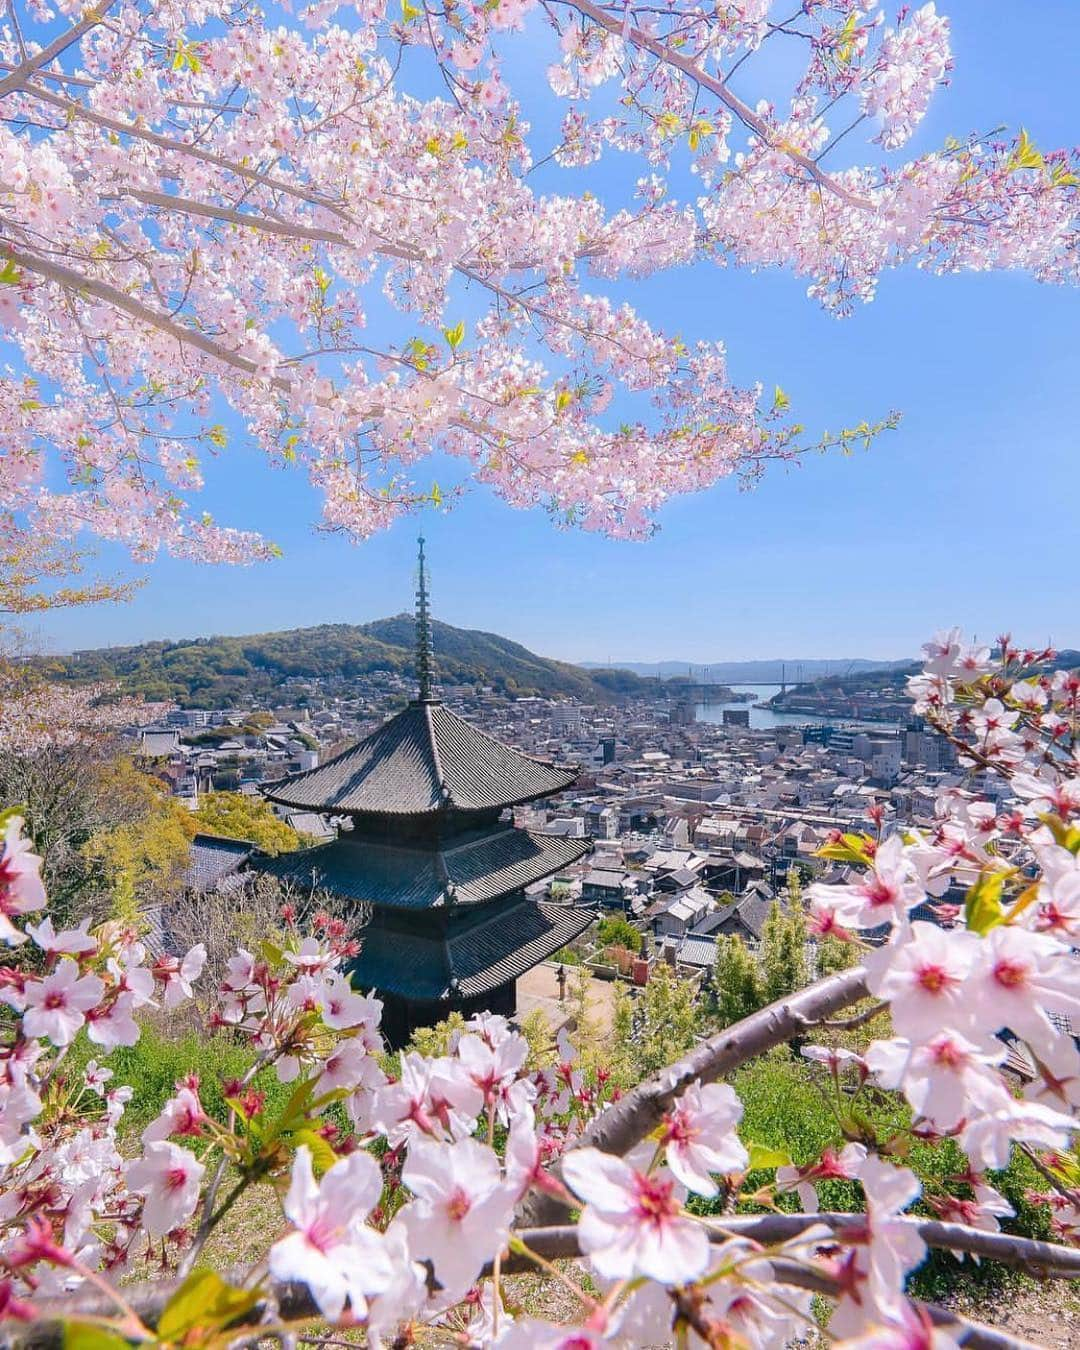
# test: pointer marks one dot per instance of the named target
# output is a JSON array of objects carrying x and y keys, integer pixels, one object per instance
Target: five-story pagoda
[{"x": 431, "y": 852}]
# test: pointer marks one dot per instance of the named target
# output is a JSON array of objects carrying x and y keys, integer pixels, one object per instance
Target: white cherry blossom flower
[
  {"x": 999, "y": 1120},
  {"x": 1020, "y": 977},
  {"x": 179, "y": 981},
  {"x": 633, "y": 1224},
  {"x": 95, "y": 1076},
  {"x": 72, "y": 941},
  {"x": 698, "y": 1136},
  {"x": 461, "y": 1214},
  {"x": 333, "y": 1251},
  {"x": 56, "y": 1006},
  {"x": 872, "y": 1271},
  {"x": 922, "y": 972},
  {"x": 114, "y": 1025},
  {"x": 169, "y": 1177},
  {"x": 939, "y": 1078},
  {"x": 343, "y": 1007},
  {"x": 405, "y": 1293}
]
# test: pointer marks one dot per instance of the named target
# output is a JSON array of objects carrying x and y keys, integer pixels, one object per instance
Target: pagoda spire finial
[{"x": 425, "y": 659}]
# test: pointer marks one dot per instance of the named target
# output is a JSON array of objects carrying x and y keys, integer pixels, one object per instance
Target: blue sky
[{"x": 967, "y": 514}]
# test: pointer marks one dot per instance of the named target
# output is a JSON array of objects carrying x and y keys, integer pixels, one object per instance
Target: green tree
[
  {"x": 834, "y": 956},
  {"x": 615, "y": 931},
  {"x": 233, "y": 815},
  {"x": 664, "y": 1021},
  {"x": 737, "y": 982},
  {"x": 143, "y": 859},
  {"x": 783, "y": 951}
]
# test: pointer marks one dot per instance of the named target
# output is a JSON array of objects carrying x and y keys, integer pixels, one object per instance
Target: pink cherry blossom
[
  {"x": 871, "y": 1274},
  {"x": 939, "y": 1078},
  {"x": 56, "y": 1006},
  {"x": 181, "y": 975},
  {"x": 698, "y": 1136},
  {"x": 182, "y": 1114},
  {"x": 113, "y": 1024},
  {"x": 21, "y": 888},
  {"x": 169, "y": 1177},
  {"x": 333, "y": 1251},
  {"x": 834, "y": 1165},
  {"x": 1021, "y": 977},
  {"x": 633, "y": 1223},
  {"x": 461, "y": 1214},
  {"x": 72, "y": 941},
  {"x": 923, "y": 973},
  {"x": 883, "y": 895}
]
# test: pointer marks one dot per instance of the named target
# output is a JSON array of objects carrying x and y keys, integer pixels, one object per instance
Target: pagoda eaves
[{"x": 423, "y": 762}]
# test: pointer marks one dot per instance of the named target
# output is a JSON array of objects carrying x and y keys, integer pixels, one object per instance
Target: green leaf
[
  {"x": 763, "y": 1156},
  {"x": 455, "y": 336},
  {"x": 203, "y": 1301},
  {"x": 1066, "y": 836},
  {"x": 293, "y": 1117},
  {"x": 1024, "y": 155},
  {"x": 780, "y": 402},
  {"x": 983, "y": 909},
  {"x": 854, "y": 848},
  {"x": 85, "y": 1336},
  {"x": 10, "y": 275},
  {"x": 322, "y": 280},
  {"x": 409, "y": 11},
  {"x": 271, "y": 953},
  {"x": 845, "y": 45},
  {"x": 187, "y": 57},
  {"x": 216, "y": 436},
  {"x": 436, "y": 495},
  {"x": 323, "y": 1156}
]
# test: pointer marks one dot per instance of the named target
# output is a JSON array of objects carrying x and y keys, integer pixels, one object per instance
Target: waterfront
[{"x": 762, "y": 718}]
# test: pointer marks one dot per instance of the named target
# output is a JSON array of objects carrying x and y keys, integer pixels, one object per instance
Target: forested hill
[{"x": 223, "y": 671}]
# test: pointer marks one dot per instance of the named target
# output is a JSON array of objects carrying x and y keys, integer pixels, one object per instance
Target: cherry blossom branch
[
  {"x": 293, "y": 1302},
  {"x": 79, "y": 282},
  {"x": 19, "y": 76},
  {"x": 719, "y": 89},
  {"x": 624, "y": 1123}
]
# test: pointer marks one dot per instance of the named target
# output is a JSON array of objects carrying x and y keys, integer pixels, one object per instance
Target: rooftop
[
  {"x": 424, "y": 761},
  {"x": 481, "y": 865}
]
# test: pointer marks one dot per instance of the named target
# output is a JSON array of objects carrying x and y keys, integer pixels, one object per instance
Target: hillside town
[{"x": 693, "y": 827}]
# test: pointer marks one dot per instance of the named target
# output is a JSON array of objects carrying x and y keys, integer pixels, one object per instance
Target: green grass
[
  {"x": 155, "y": 1064},
  {"x": 784, "y": 1109}
]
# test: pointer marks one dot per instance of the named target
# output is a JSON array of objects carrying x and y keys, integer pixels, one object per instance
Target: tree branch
[
  {"x": 19, "y": 76},
  {"x": 719, "y": 89},
  {"x": 293, "y": 1302},
  {"x": 101, "y": 290},
  {"x": 625, "y": 1122}
]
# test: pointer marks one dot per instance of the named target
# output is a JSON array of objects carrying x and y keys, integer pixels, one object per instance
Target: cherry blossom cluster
[
  {"x": 45, "y": 716},
  {"x": 405, "y": 1180},
  {"x": 201, "y": 206}
]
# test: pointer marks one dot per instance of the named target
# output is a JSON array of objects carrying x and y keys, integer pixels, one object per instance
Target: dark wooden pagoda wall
[{"x": 401, "y": 1016}]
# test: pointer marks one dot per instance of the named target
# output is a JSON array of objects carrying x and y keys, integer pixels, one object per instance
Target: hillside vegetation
[{"x": 229, "y": 671}]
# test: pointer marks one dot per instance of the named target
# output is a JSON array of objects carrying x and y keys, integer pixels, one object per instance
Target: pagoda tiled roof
[
  {"x": 501, "y": 944},
  {"x": 470, "y": 868},
  {"x": 423, "y": 761},
  {"x": 212, "y": 858}
]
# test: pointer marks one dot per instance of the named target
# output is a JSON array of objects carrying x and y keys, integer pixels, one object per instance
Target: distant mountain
[
  {"x": 222, "y": 672},
  {"x": 756, "y": 672}
]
